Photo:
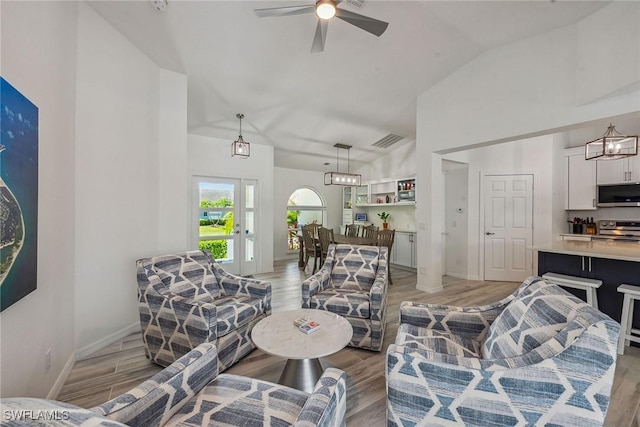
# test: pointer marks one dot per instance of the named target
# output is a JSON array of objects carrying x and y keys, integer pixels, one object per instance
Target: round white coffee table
[{"x": 278, "y": 336}]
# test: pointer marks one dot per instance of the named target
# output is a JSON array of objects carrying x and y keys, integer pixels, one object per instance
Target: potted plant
[{"x": 384, "y": 217}]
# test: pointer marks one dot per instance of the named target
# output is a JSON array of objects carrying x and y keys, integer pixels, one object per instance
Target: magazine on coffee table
[{"x": 309, "y": 327}]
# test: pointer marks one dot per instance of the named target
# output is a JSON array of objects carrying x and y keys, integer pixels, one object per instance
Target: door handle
[{"x": 488, "y": 233}]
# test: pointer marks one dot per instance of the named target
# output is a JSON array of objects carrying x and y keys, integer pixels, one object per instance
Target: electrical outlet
[{"x": 47, "y": 360}]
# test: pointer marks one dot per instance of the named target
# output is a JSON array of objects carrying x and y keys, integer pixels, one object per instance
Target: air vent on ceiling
[
  {"x": 388, "y": 141},
  {"x": 357, "y": 3}
]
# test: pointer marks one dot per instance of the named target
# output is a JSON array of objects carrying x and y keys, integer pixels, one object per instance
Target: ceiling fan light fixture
[
  {"x": 325, "y": 9},
  {"x": 611, "y": 146},
  {"x": 240, "y": 148}
]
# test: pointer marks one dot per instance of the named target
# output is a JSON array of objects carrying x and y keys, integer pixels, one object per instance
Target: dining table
[{"x": 339, "y": 239}]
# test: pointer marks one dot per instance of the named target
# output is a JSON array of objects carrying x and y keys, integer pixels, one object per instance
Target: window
[{"x": 305, "y": 206}]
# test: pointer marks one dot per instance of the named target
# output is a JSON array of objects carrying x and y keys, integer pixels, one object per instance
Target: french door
[
  {"x": 508, "y": 227},
  {"x": 225, "y": 221}
]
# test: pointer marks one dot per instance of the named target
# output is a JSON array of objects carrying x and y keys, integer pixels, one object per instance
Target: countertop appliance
[
  {"x": 619, "y": 195},
  {"x": 612, "y": 229}
]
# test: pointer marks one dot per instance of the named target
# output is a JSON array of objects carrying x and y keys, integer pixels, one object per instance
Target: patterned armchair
[
  {"x": 353, "y": 283},
  {"x": 186, "y": 299},
  {"x": 190, "y": 393},
  {"x": 538, "y": 357}
]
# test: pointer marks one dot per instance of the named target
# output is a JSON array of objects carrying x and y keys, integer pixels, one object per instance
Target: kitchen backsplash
[{"x": 606, "y": 213}]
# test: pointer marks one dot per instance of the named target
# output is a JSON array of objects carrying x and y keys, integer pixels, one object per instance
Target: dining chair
[
  {"x": 325, "y": 235},
  {"x": 311, "y": 245},
  {"x": 386, "y": 238},
  {"x": 351, "y": 230},
  {"x": 370, "y": 231}
]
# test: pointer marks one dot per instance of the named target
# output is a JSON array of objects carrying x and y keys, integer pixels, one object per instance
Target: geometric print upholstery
[
  {"x": 565, "y": 380},
  {"x": 441, "y": 342},
  {"x": 187, "y": 276},
  {"x": 190, "y": 392},
  {"x": 354, "y": 268},
  {"x": 344, "y": 302},
  {"x": 186, "y": 299},
  {"x": 157, "y": 399},
  {"x": 240, "y": 401},
  {"x": 352, "y": 283},
  {"x": 235, "y": 400},
  {"x": 235, "y": 312},
  {"x": 536, "y": 316}
]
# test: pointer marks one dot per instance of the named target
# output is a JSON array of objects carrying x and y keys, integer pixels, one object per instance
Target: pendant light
[
  {"x": 240, "y": 148},
  {"x": 342, "y": 178},
  {"x": 611, "y": 146}
]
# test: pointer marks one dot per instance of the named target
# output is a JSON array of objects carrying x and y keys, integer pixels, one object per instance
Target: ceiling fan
[{"x": 325, "y": 10}]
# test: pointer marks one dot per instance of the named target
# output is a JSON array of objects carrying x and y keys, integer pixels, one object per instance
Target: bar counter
[
  {"x": 615, "y": 263},
  {"x": 624, "y": 251}
]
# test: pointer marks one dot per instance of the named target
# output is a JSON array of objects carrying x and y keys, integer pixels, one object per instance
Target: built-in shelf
[
  {"x": 387, "y": 204},
  {"x": 389, "y": 193}
]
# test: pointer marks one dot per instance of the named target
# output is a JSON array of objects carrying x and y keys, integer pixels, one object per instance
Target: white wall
[
  {"x": 121, "y": 146},
  {"x": 211, "y": 157},
  {"x": 38, "y": 59},
  {"x": 528, "y": 88},
  {"x": 397, "y": 164},
  {"x": 286, "y": 181},
  {"x": 173, "y": 200},
  {"x": 532, "y": 156},
  {"x": 456, "y": 205}
]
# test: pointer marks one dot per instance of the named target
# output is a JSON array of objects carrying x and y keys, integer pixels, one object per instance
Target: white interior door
[
  {"x": 226, "y": 221},
  {"x": 508, "y": 227}
]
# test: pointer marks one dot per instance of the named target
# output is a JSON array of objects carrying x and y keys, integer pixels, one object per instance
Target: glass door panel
[
  {"x": 249, "y": 265},
  {"x": 226, "y": 226}
]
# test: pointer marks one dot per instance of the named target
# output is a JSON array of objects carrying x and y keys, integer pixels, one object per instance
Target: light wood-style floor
[{"x": 122, "y": 365}]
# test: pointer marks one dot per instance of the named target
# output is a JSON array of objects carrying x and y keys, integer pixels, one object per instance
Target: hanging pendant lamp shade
[
  {"x": 240, "y": 148},
  {"x": 342, "y": 178},
  {"x": 611, "y": 146}
]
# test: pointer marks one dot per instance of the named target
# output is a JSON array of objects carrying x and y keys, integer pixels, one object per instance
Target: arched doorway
[{"x": 305, "y": 205}]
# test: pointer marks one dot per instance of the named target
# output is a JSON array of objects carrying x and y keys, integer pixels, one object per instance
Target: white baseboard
[
  {"x": 108, "y": 340},
  {"x": 62, "y": 378},
  {"x": 463, "y": 276},
  {"x": 86, "y": 351}
]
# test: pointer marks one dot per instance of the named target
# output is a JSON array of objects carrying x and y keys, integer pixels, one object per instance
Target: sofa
[
  {"x": 185, "y": 299},
  {"x": 540, "y": 356},
  {"x": 190, "y": 393},
  {"x": 353, "y": 284}
]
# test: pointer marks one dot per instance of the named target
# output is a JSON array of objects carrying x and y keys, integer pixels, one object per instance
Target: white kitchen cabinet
[
  {"x": 580, "y": 181},
  {"x": 347, "y": 205},
  {"x": 619, "y": 171},
  {"x": 405, "y": 249}
]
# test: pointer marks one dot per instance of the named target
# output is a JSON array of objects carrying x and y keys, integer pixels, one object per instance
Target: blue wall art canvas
[{"x": 18, "y": 195}]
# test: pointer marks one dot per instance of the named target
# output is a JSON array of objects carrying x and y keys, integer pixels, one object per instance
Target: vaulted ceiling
[{"x": 360, "y": 89}]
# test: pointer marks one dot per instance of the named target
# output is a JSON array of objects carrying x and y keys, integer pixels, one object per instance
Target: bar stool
[
  {"x": 627, "y": 332},
  {"x": 588, "y": 285}
]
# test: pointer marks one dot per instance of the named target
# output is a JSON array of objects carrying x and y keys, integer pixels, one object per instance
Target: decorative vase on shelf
[{"x": 385, "y": 225}]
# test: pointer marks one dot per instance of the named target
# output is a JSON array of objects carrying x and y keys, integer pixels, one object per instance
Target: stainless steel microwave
[{"x": 619, "y": 195}]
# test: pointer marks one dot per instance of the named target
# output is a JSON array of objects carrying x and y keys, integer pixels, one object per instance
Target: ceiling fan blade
[
  {"x": 284, "y": 11},
  {"x": 370, "y": 25},
  {"x": 320, "y": 37}
]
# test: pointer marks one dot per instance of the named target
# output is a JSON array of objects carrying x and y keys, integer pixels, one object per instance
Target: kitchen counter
[
  {"x": 624, "y": 251},
  {"x": 612, "y": 262}
]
